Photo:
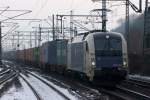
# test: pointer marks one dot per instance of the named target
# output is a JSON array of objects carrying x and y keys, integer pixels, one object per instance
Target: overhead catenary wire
[
  {"x": 38, "y": 12},
  {"x": 4, "y": 10},
  {"x": 80, "y": 25},
  {"x": 10, "y": 31},
  {"x": 25, "y": 12}
]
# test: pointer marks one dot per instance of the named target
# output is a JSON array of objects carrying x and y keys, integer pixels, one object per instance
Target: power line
[
  {"x": 4, "y": 10},
  {"x": 41, "y": 8}
]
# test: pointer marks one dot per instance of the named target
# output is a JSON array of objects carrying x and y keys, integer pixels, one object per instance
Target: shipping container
[
  {"x": 36, "y": 55},
  {"x": 9, "y": 55},
  {"x": 54, "y": 52},
  {"x": 45, "y": 50},
  {"x": 31, "y": 55},
  {"x": 62, "y": 52},
  {"x": 27, "y": 55},
  {"x": 51, "y": 52},
  {"x": 41, "y": 55}
]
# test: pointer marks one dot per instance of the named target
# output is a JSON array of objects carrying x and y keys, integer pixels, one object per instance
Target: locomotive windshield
[{"x": 108, "y": 46}]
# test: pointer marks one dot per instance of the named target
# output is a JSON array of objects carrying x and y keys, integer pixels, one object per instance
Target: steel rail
[
  {"x": 114, "y": 94},
  {"x": 34, "y": 91},
  {"x": 137, "y": 94},
  {"x": 10, "y": 76},
  {"x": 62, "y": 94},
  {"x": 4, "y": 71},
  {"x": 139, "y": 83},
  {"x": 66, "y": 86}
]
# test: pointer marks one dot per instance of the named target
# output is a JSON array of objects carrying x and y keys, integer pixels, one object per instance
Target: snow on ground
[
  {"x": 144, "y": 78},
  {"x": 2, "y": 85},
  {"x": 6, "y": 61},
  {"x": 23, "y": 93},
  {"x": 7, "y": 66},
  {"x": 4, "y": 73},
  {"x": 63, "y": 90},
  {"x": 1, "y": 69},
  {"x": 46, "y": 93}
]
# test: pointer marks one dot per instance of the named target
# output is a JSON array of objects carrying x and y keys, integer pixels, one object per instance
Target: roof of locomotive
[{"x": 83, "y": 36}]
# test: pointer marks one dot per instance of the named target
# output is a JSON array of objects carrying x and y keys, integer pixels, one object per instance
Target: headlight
[
  {"x": 124, "y": 63},
  {"x": 93, "y": 63}
]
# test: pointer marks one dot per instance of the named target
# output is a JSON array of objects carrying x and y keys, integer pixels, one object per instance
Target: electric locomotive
[{"x": 99, "y": 56}]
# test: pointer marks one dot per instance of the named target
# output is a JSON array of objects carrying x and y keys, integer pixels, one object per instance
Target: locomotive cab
[
  {"x": 108, "y": 56},
  {"x": 98, "y": 56}
]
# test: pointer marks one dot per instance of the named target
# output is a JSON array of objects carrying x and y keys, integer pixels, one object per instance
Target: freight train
[{"x": 95, "y": 56}]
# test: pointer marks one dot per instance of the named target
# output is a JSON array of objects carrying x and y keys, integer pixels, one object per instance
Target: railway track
[
  {"x": 79, "y": 91},
  {"x": 51, "y": 86},
  {"x": 8, "y": 73},
  {"x": 121, "y": 92},
  {"x": 19, "y": 72},
  {"x": 113, "y": 93},
  {"x": 133, "y": 93},
  {"x": 25, "y": 74},
  {"x": 34, "y": 91},
  {"x": 7, "y": 79},
  {"x": 132, "y": 89},
  {"x": 89, "y": 90},
  {"x": 142, "y": 83},
  {"x": 9, "y": 69},
  {"x": 138, "y": 87},
  {"x": 4, "y": 71}
]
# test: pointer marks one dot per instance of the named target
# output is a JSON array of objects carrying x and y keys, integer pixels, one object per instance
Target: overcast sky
[{"x": 44, "y": 8}]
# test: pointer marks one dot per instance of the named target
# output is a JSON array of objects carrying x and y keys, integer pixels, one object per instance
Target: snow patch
[
  {"x": 140, "y": 77},
  {"x": 46, "y": 93},
  {"x": 23, "y": 93},
  {"x": 63, "y": 90}
]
